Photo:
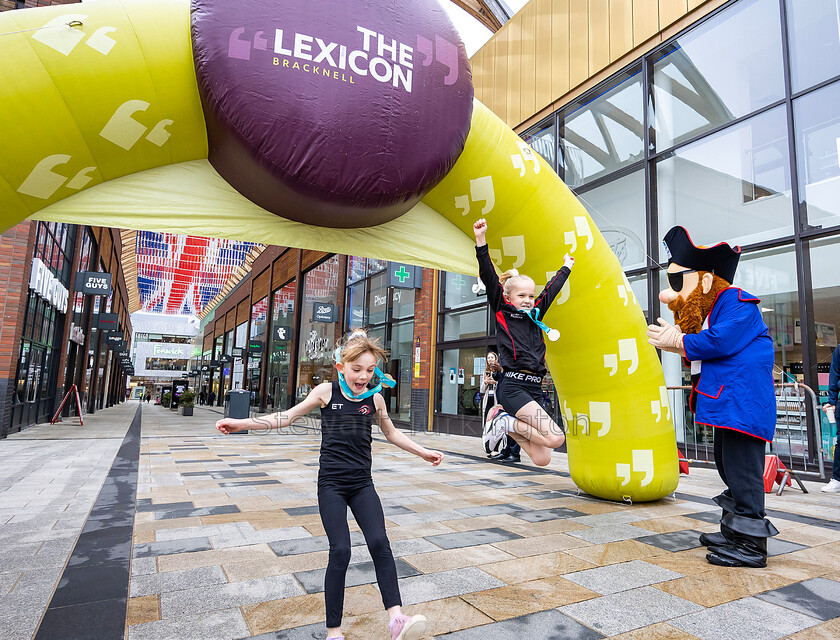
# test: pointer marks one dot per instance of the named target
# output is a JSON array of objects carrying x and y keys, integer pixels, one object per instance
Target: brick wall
[
  {"x": 424, "y": 307},
  {"x": 16, "y": 249},
  {"x": 6, "y": 5}
]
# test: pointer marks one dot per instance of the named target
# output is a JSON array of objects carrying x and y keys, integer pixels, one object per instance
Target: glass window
[
  {"x": 375, "y": 266},
  {"x": 618, "y": 209},
  {"x": 733, "y": 186},
  {"x": 259, "y": 313},
  {"x": 279, "y": 362},
  {"x": 461, "y": 290},
  {"x": 814, "y": 28},
  {"x": 825, "y": 279},
  {"x": 725, "y": 68},
  {"x": 357, "y": 316},
  {"x": 399, "y": 367},
  {"x": 317, "y": 339},
  {"x": 640, "y": 290},
  {"x": 356, "y": 267},
  {"x": 543, "y": 140},
  {"x": 604, "y": 134},
  {"x": 817, "y": 126},
  {"x": 465, "y": 324},
  {"x": 378, "y": 299},
  {"x": 459, "y": 380},
  {"x": 402, "y": 303}
]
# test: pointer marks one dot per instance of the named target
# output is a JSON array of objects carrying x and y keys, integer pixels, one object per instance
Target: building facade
[{"x": 54, "y": 336}]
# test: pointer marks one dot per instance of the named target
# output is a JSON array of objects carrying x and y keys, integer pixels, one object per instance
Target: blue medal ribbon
[
  {"x": 383, "y": 381},
  {"x": 534, "y": 315}
]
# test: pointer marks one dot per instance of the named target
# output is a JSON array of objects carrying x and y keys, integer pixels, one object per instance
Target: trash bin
[{"x": 238, "y": 405}]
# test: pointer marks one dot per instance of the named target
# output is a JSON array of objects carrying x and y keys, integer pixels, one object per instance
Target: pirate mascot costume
[{"x": 721, "y": 334}]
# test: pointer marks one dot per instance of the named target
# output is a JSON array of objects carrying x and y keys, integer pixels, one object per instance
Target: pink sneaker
[{"x": 404, "y": 628}]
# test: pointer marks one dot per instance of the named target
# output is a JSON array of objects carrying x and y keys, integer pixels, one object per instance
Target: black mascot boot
[
  {"x": 724, "y": 536},
  {"x": 742, "y": 551}
]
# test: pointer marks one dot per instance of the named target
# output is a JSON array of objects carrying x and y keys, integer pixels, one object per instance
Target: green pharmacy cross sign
[{"x": 404, "y": 276}]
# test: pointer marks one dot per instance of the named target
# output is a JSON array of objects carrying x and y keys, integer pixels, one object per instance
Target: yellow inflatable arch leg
[{"x": 122, "y": 143}]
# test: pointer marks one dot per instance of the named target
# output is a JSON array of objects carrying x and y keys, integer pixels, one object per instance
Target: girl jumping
[
  {"x": 519, "y": 330},
  {"x": 344, "y": 477}
]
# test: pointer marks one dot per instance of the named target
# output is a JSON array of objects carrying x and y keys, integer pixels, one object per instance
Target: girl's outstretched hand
[
  {"x": 228, "y": 426},
  {"x": 435, "y": 457},
  {"x": 480, "y": 230},
  {"x": 568, "y": 261}
]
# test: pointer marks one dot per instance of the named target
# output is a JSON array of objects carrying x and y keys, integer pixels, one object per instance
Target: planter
[{"x": 186, "y": 411}]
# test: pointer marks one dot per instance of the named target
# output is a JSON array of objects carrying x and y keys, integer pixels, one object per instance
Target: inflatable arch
[{"x": 108, "y": 107}]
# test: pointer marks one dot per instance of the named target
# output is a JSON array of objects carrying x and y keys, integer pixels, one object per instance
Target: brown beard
[{"x": 689, "y": 314}]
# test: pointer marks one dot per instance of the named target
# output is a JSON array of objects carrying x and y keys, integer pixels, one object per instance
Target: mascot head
[{"x": 696, "y": 275}]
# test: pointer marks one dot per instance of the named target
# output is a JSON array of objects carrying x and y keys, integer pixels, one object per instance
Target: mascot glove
[
  {"x": 666, "y": 337},
  {"x": 568, "y": 261}
]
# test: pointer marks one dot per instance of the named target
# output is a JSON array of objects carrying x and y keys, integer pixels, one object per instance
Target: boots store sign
[
  {"x": 93, "y": 283},
  {"x": 45, "y": 284}
]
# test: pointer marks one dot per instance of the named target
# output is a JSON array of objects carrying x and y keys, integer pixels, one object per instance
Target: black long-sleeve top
[{"x": 521, "y": 344}]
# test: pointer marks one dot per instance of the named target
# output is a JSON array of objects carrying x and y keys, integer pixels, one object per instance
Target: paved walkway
[{"x": 222, "y": 540}]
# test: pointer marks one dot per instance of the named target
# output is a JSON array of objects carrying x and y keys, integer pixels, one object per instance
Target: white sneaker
[
  {"x": 832, "y": 487},
  {"x": 496, "y": 427}
]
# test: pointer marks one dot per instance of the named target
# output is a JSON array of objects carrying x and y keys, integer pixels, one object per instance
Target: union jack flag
[{"x": 182, "y": 274}]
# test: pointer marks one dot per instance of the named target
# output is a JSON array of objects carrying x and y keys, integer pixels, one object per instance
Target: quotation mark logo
[
  {"x": 241, "y": 49},
  {"x": 480, "y": 189},
  {"x": 511, "y": 246},
  {"x": 42, "y": 182},
  {"x": 526, "y": 154},
  {"x": 582, "y": 230},
  {"x": 656, "y": 406},
  {"x": 57, "y": 34},
  {"x": 627, "y": 350},
  {"x": 444, "y": 52},
  {"x": 642, "y": 463},
  {"x": 124, "y": 131}
]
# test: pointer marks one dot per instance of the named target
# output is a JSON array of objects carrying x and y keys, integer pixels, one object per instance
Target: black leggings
[{"x": 333, "y": 499}]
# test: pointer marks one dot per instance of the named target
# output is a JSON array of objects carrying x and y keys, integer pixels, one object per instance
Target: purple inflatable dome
[{"x": 339, "y": 113}]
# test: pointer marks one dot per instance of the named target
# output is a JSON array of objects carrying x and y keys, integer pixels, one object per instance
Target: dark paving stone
[
  {"x": 309, "y": 545},
  {"x": 249, "y": 483},
  {"x": 674, "y": 541},
  {"x": 550, "y": 495},
  {"x": 492, "y": 510},
  {"x": 396, "y": 511},
  {"x": 191, "y": 461},
  {"x": 361, "y": 573},
  {"x": 102, "y": 620},
  {"x": 541, "y": 515},
  {"x": 776, "y": 547},
  {"x": 107, "y": 581},
  {"x": 463, "y": 483},
  {"x": 218, "y": 475},
  {"x": 544, "y": 624},
  {"x": 712, "y": 517},
  {"x": 818, "y": 597},
  {"x": 199, "y": 511},
  {"x": 513, "y": 484},
  {"x": 471, "y": 538},
  {"x": 828, "y": 525},
  {"x": 102, "y": 545},
  {"x": 302, "y": 511},
  {"x": 167, "y": 547},
  {"x": 165, "y": 506},
  {"x": 144, "y": 501},
  {"x": 270, "y": 460}
]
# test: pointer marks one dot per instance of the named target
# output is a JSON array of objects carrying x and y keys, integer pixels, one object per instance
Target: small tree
[
  {"x": 187, "y": 399},
  {"x": 166, "y": 399}
]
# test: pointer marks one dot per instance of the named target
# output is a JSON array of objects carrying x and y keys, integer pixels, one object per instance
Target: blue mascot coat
[{"x": 735, "y": 390}]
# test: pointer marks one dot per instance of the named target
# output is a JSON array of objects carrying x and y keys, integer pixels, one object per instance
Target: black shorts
[{"x": 513, "y": 394}]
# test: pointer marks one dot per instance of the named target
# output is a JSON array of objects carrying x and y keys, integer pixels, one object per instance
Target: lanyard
[{"x": 534, "y": 315}]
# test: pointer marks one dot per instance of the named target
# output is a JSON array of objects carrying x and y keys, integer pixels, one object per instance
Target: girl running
[
  {"x": 344, "y": 477},
  {"x": 519, "y": 330}
]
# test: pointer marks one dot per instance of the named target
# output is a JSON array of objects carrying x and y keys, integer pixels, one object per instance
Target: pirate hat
[{"x": 721, "y": 259}]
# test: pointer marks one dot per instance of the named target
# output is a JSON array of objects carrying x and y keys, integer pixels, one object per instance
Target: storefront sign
[
  {"x": 225, "y": 358},
  {"x": 108, "y": 322},
  {"x": 283, "y": 333},
  {"x": 316, "y": 347},
  {"x": 45, "y": 284},
  {"x": 404, "y": 276},
  {"x": 324, "y": 312},
  {"x": 205, "y": 368},
  {"x": 255, "y": 347},
  {"x": 93, "y": 283},
  {"x": 114, "y": 337},
  {"x": 237, "y": 352},
  {"x": 76, "y": 334}
]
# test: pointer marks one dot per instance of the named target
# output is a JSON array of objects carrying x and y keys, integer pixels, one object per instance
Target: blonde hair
[
  {"x": 357, "y": 343},
  {"x": 512, "y": 277}
]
